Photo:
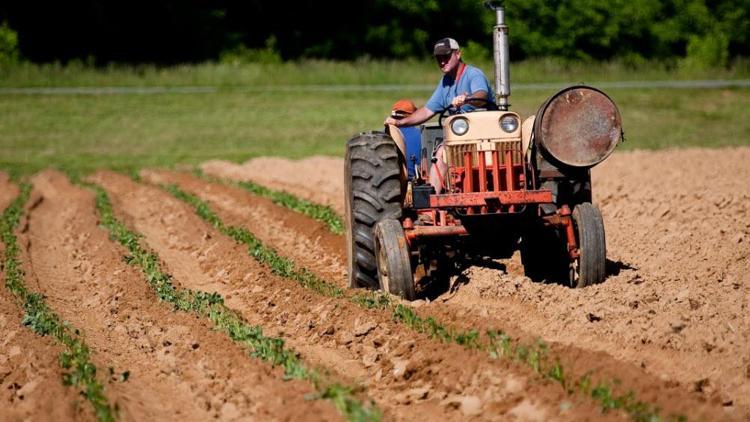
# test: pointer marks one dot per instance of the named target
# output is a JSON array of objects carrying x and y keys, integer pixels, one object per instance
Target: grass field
[
  {"x": 363, "y": 72},
  {"x": 244, "y": 117}
]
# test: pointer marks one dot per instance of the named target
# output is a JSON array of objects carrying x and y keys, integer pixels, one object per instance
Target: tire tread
[{"x": 373, "y": 193}]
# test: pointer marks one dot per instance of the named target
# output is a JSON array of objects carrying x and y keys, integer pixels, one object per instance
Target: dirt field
[
  {"x": 671, "y": 323},
  {"x": 675, "y": 305}
]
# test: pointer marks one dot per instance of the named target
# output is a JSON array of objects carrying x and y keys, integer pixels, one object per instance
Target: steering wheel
[{"x": 450, "y": 110}]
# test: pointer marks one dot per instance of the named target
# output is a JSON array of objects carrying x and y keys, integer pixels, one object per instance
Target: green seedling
[
  {"x": 279, "y": 265},
  {"x": 322, "y": 213},
  {"x": 75, "y": 358},
  {"x": 498, "y": 344},
  {"x": 211, "y": 306}
]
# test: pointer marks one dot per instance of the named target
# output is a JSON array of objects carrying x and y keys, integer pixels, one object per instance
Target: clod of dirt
[
  {"x": 412, "y": 395},
  {"x": 593, "y": 318},
  {"x": 653, "y": 257},
  {"x": 677, "y": 326},
  {"x": 468, "y": 405},
  {"x": 400, "y": 368},
  {"x": 362, "y": 328},
  {"x": 528, "y": 412},
  {"x": 370, "y": 358}
]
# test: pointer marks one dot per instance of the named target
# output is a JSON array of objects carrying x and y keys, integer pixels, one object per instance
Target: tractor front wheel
[
  {"x": 394, "y": 263},
  {"x": 589, "y": 267}
]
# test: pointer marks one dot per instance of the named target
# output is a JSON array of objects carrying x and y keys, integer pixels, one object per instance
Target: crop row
[
  {"x": 75, "y": 358},
  {"x": 211, "y": 306},
  {"x": 496, "y": 343},
  {"x": 317, "y": 212}
]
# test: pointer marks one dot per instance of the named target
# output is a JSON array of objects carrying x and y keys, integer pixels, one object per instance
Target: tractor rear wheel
[
  {"x": 374, "y": 189},
  {"x": 589, "y": 267},
  {"x": 395, "y": 274}
]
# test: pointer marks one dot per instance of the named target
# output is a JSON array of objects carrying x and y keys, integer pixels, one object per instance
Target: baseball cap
[
  {"x": 445, "y": 46},
  {"x": 402, "y": 108}
]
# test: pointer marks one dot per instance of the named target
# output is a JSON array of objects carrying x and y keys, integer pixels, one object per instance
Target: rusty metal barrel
[{"x": 579, "y": 126}]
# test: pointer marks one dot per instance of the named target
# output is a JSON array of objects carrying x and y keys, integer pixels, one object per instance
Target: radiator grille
[{"x": 455, "y": 152}]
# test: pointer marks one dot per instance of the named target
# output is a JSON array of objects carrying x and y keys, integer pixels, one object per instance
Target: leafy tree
[
  {"x": 8, "y": 45},
  {"x": 702, "y": 32}
]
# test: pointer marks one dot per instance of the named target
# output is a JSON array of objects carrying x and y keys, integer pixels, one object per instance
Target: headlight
[
  {"x": 460, "y": 126},
  {"x": 509, "y": 123}
]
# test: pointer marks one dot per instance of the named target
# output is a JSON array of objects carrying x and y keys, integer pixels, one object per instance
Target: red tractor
[{"x": 510, "y": 186}]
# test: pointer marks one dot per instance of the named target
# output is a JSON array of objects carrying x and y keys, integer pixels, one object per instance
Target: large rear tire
[
  {"x": 590, "y": 267},
  {"x": 395, "y": 274},
  {"x": 374, "y": 189}
]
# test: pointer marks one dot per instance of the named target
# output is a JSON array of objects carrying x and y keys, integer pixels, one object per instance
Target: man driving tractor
[
  {"x": 497, "y": 186},
  {"x": 462, "y": 88}
]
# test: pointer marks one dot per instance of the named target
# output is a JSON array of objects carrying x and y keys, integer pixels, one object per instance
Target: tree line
[{"x": 710, "y": 32}]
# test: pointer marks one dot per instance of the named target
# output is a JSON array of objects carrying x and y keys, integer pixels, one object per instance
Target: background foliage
[{"x": 702, "y": 32}]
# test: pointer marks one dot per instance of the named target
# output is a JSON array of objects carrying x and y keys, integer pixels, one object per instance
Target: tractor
[{"x": 512, "y": 185}]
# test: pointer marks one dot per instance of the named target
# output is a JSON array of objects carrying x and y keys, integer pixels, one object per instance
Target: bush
[
  {"x": 8, "y": 45},
  {"x": 475, "y": 52},
  {"x": 243, "y": 55},
  {"x": 707, "y": 51}
]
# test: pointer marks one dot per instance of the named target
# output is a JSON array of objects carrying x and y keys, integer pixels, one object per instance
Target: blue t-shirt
[
  {"x": 471, "y": 81},
  {"x": 413, "y": 141}
]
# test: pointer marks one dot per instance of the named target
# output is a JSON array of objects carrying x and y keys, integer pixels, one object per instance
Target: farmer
[
  {"x": 463, "y": 88},
  {"x": 412, "y": 135}
]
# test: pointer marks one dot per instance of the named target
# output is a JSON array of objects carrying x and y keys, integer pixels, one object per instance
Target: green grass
[
  {"x": 75, "y": 359},
  {"x": 126, "y": 132},
  {"x": 250, "y": 114},
  {"x": 367, "y": 72}
]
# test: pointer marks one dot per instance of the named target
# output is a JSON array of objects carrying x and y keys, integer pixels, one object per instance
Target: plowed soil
[
  {"x": 155, "y": 364},
  {"x": 672, "y": 315},
  {"x": 408, "y": 375},
  {"x": 671, "y": 322},
  {"x": 31, "y": 385}
]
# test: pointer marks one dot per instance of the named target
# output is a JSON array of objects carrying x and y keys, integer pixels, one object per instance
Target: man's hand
[
  {"x": 459, "y": 100},
  {"x": 390, "y": 121},
  {"x": 465, "y": 98}
]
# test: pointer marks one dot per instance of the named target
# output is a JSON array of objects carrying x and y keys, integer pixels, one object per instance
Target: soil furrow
[
  {"x": 409, "y": 375},
  {"x": 678, "y": 291},
  {"x": 8, "y": 191},
  {"x": 163, "y": 365},
  {"x": 31, "y": 385},
  {"x": 318, "y": 179},
  {"x": 239, "y": 208},
  {"x": 310, "y": 242}
]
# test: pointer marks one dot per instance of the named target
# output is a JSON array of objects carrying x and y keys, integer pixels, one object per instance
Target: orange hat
[{"x": 403, "y": 108}]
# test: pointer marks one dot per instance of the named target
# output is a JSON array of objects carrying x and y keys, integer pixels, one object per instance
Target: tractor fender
[
  {"x": 395, "y": 134},
  {"x": 527, "y": 130}
]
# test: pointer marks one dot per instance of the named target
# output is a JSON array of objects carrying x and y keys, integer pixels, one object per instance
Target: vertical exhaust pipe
[{"x": 501, "y": 55}]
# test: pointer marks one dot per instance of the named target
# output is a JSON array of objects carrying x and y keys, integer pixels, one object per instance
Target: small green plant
[
  {"x": 498, "y": 343},
  {"x": 75, "y": 358},
  {"x": 372, "y": 300},
  {"x": 279, "y": 265},
  {"x": 211, "y": 305},
  {"x": 317, "y": 212},
  {"x": 557, "y": 373}
]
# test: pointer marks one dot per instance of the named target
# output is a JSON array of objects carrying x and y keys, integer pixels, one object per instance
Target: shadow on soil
[{"x": 440, "y": 283}]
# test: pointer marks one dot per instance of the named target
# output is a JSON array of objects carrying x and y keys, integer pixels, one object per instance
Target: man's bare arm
[{"x": 420, "y": 116}]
